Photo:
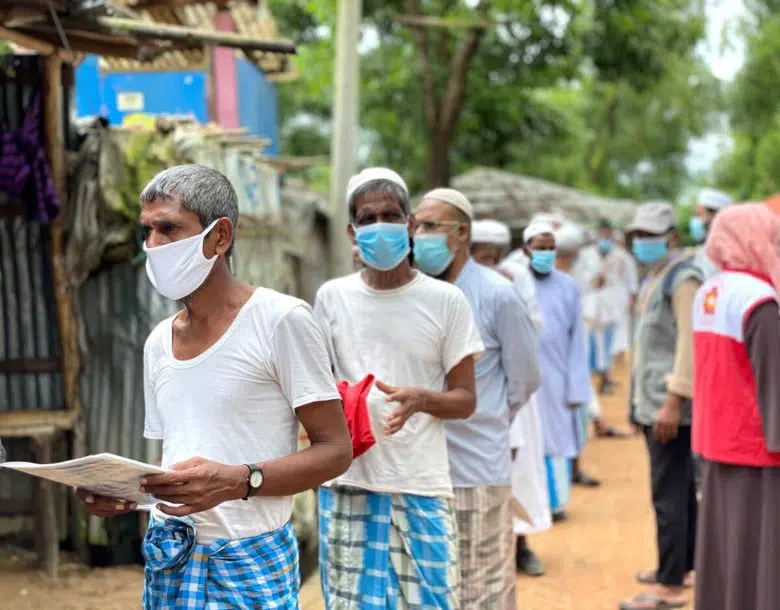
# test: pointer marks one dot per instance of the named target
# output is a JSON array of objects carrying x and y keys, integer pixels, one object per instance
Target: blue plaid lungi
[
  {"x": 181, "y": 574},
  {"x": 381, "y": 551}
]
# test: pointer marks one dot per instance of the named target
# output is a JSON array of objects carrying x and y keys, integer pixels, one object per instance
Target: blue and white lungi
[
  {"x": 559, "y": 472},
  {"x": 381, "y": 551},
  {"x": 181, "y": 574}
]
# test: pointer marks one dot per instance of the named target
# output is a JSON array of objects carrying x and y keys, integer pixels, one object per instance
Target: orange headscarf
[{"x": 747, "y": 238}]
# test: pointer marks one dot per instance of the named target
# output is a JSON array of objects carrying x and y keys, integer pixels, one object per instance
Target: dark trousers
[{"x": 672, "y": 475}]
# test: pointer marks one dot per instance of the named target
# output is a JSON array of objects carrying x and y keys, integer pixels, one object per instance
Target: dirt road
[{"x": 591, "y": 558}]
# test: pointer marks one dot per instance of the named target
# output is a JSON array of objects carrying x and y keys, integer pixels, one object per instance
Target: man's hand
[
  {"x": 411, "y": 401},
  {"x": 667, "y": 421},
  {"x": 100, "y": 506},
  {"x": 197, "y": 485},
  {"x": 600, "y": 280}
]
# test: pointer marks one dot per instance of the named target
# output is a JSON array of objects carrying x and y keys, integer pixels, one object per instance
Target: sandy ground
[{"x": 591, "y": 559}]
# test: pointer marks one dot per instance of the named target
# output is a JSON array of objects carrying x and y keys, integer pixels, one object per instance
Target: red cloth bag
[{"x": 354, "y": 398}]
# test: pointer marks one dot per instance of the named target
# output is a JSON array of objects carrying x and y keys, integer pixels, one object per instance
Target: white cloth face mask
[{"x": 179, "y": 268}]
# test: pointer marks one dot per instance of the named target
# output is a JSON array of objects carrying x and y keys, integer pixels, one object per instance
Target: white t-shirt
[
  {"x": 235, "y": 403},
  {"x": 412, "y": 336}
]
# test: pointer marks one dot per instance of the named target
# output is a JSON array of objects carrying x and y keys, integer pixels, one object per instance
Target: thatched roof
[
  {"x": 145, "y": 34},
  {"x": 514, "y": 199}
]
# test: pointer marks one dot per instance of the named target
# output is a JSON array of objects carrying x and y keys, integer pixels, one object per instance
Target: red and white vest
[{"x": 726, "y": 416}]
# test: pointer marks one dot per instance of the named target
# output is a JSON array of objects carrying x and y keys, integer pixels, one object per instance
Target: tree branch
[
  {"x": 431, "y": 103},
  {"x": 455, "y": 93}
]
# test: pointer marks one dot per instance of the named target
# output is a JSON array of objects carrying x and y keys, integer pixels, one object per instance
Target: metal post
[{"x": 344, "y": 136}]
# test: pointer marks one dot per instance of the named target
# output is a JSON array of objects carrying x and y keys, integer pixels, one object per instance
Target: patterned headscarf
[{"x": 747, "y": 238}]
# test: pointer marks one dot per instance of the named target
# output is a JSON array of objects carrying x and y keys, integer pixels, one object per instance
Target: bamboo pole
[{"x": 146, "y": 29}]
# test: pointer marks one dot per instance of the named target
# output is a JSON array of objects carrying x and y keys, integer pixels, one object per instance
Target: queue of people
[{"x": 446, "y": 390}]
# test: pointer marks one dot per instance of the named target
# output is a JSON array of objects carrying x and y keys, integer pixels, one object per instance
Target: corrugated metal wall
[
  {"x": 28, "y": 326},
  {"x": 117, "y": 309}
]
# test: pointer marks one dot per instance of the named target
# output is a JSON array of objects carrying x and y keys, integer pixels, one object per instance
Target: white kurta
[
  {"x": 564, "y": 365},
  {"x": 529, "y": 476}
]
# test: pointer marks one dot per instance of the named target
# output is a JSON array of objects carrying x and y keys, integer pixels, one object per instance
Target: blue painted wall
[
  {"x": 257, "y": 103},
  {"x": 178, "y": 93}
]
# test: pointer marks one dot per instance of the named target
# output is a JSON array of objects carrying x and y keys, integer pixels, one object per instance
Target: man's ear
[
  {"x": 223, "y": 235},
  {"x": 351, "y": 233}
]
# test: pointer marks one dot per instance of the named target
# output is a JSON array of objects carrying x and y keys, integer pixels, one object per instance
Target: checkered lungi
[
  {"x": 486, "y": 548},
  {"x": 257, "y": 572},
  {"x": 381, "y": 551}
]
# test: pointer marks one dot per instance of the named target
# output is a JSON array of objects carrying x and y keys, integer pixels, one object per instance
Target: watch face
[{"x": 256, "y": 479}]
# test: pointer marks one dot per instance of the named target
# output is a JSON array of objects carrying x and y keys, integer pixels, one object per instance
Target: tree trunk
[{"x": 439, "y": 168}]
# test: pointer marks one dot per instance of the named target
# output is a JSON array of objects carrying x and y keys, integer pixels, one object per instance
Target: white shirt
[
  {"x": 412, "y": 336},
  {"x": 235, "y": 403}
]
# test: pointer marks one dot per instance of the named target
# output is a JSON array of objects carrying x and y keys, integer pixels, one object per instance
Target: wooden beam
[
  {"x": 145, "y": 5},
  {"x": 34, "y": 44},
  {"x": 53, "y": 119},
  {"x": 85, "y": 45},
  {"x": 159, "y": 31},
  {"x": 427, "y": 21},
  {"x": 29, "y": 366}
]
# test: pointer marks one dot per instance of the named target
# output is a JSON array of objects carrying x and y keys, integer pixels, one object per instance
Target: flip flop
[
  {"x": 648, "y": 601},
  {"x": 648, "y": 577}
]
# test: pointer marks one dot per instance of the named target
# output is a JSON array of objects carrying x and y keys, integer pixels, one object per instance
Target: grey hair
[
  {"x": 379, "y": 186},
  {"x": 200, "y": 189}
]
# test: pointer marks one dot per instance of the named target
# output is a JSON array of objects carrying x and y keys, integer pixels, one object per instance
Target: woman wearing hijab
[{"x": 736, "y": 424}]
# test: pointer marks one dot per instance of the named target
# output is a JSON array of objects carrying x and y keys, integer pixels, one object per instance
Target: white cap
[
  {"x": 569, "y": 238},
  {"x": 455, "y": 198},
  {"x": 374, "y": 173},
  {"x": 535, "y": 229},
  {"x": 490, "y": 232},
  {"x": 713, "y": 199}
]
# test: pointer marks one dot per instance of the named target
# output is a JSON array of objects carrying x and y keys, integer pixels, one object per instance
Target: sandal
[
  {"x": 649, "y": 577},
  {"x": 649, "y": 601}
]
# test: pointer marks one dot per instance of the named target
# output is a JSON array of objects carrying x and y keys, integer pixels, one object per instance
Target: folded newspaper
[{"x": 104, "y": 474}]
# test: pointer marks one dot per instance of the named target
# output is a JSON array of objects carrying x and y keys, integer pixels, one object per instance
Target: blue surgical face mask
[
  {"x": 698, "y": 229},
  {"x": 604, "y": 245},
  {"x": 650, "y": 250},
  {"x": 543, "y": 261},
  {"x": 383, "y": 245},
  {"x": 432, "y": 256}
]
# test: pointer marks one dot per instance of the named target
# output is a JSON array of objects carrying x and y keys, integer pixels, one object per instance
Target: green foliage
[
  {"x": 602, "y": 94},
  {"x": 751, "y": 168}
]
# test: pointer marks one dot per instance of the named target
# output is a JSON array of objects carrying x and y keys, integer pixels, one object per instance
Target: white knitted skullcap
[
  {"x": 374, "y": 173},
  {"x": 490, "y": 232},
  {"x": 713, "y": 199},
  {"x": 569, "y": 238},
  {"x": 535, "y": 229},
  {"x": 455, "y": 198}
]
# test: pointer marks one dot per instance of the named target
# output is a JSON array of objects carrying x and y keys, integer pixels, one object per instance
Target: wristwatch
[{"x": 254, "y": 480}]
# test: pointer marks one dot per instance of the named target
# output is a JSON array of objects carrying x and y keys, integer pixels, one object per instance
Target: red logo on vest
[{"x": 710, "y": 301}]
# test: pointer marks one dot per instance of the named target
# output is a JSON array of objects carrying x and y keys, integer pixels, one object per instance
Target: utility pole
[{"x": 343, "y": 148}]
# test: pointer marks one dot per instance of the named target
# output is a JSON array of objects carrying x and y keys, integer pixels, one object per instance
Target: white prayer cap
[
  {"x": 490, "y": 232},
  {"x": 713, "y": 199},
  {"x": 374, "y": 173},
  {"x": 535, "y": 229},
  {"x": 455, "y": 198},
  {"x": 569, "y": 238}
]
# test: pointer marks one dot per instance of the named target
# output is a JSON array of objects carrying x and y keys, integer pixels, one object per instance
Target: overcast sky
[{"x": 725, "y": 60}]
